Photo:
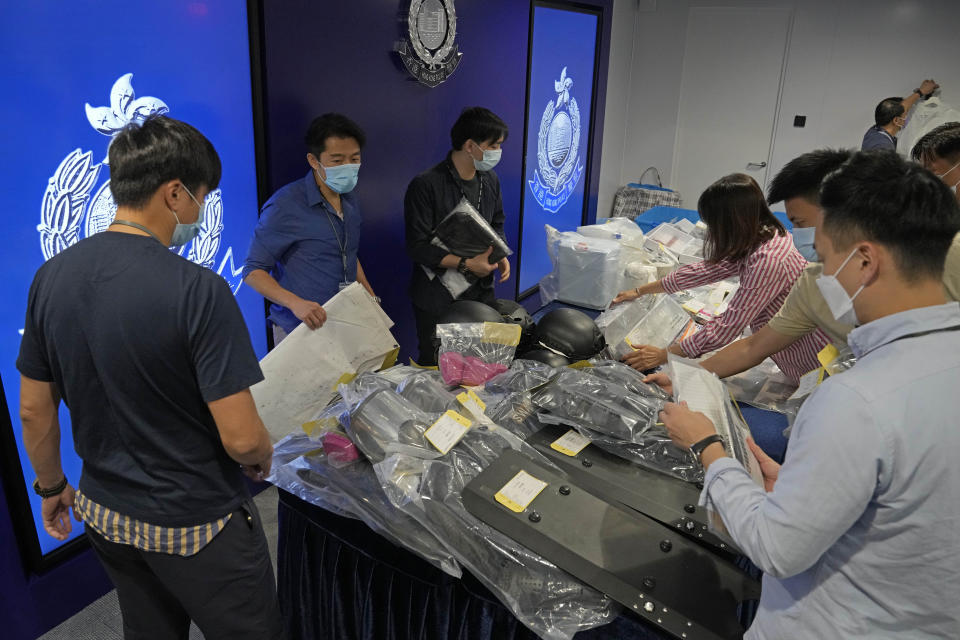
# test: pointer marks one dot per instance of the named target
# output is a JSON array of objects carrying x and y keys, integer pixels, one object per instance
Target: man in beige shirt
[{"x": 805, "y": 310}]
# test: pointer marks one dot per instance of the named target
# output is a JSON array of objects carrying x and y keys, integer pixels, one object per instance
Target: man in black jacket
[{"x": 466, "y": 173}]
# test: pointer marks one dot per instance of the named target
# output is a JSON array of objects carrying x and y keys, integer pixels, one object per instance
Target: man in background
[
  {"x": 304, "y": 249},
  {"x": 151, "y": 355},
  {"x": 466, "y": 173},
  {"x": 890, "y": 117}
]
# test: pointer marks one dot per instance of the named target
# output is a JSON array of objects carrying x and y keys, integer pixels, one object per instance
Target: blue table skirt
[{"x": 338, "y": 579}]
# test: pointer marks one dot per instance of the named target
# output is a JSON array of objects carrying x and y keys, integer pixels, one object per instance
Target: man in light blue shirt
[{"x": 858, "y": 533}]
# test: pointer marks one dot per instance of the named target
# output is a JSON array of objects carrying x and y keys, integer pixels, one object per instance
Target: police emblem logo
[
  {"x": 67, "y": 207},
  {"x": 559, "y": 167},
  {"x": 430, "y": 52}
]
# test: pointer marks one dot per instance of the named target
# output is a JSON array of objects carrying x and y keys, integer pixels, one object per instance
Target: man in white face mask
[
  {"x": 805, "y": 310},
  {"x": 466, "y": 174},
  {"x": 858, "y": 517}
]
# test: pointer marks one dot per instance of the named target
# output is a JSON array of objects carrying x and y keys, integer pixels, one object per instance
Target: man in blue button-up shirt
[
  {"x": 304, "y": 249},
  {"x": 858, "y": 532}
]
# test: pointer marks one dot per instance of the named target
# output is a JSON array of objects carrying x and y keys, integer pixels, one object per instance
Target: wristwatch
[
  {"x": 51, "y": 492},
  {"x": 697, "y": 447},
  {"x": 462, "y": 267}
]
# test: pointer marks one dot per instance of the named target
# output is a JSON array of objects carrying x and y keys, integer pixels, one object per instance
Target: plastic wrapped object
[
  {"x": 649, "y": 320},
  {"x": 425, "y": 391},
  {"x": 570, "y": 333},
  {"x": 523, "y": 375},
  {"x": 627, "y": 377},
  {"x": 587, "y": 272},
  {"x": 543, "y": 597},
  {"x": 340, "y": 449},
  {"x": 472, "y": 353},
  {"x": 465, "y": 233},
  {"x": 709, "y": 301},
  {"x": 353, "y": 491},
  {"x": 580, "y": 399},
  {"x": 676, "y": 237},
  {"x": 384, "y": 423},
  {"x": 703, "y": 391},
  {"x": 765, "y": 387}
]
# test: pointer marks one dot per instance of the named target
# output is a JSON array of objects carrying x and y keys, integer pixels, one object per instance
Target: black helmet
[
  {"x": 571, "y": 333},
  {"x": 514, "y": 313},
  {"x": 545, "y": 356},
  {"x": 462, "y": 311}
]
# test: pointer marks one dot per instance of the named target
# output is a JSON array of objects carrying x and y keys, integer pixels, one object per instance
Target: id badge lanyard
[
  {"x": 342, "y": 245},
  {"x": 459, "y": 184}
]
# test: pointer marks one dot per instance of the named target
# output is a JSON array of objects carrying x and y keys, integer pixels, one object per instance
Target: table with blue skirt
[{"x": 339, "y": 579}]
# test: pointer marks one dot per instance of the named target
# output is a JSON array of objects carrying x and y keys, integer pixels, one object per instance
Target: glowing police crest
[
  {"x": 558, "y": 146},
  {"x": 429, "y": 52},
  {"x": 67, "y": 205}
]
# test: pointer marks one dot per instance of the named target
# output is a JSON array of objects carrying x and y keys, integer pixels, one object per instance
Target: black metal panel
[
  {"x": 649, "y": 568},
  {"x": 664, "y": 498}
]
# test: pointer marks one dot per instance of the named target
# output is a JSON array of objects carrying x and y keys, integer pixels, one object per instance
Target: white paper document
[{"x": 302, "y": 372}]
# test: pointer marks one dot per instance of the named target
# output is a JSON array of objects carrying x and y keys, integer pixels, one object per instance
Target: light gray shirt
[{"x": 860, "y": 537}]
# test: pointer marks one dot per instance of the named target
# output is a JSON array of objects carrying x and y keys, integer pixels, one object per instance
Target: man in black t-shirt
[
  {"x": 151, "y": 355},
  {"x": 467, "y": 172}
]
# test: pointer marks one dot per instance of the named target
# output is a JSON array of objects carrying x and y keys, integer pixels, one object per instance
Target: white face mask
[{"x": 839, "y": 301}]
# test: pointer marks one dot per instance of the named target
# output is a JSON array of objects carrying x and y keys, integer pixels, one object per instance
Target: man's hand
[
  {"x": 928, "y": 86},
  {"x": 645, "y": 357},
  {"x": 626, "y": 296},
  {"x": 685, "y": 427},
  {"x": 257, "y": 472},
  {"x": 480, "y": 265},
  {"x": 504, "y": 266},
  {"x": 768, "y": 466},
  {"x": 309, "y": 312},
  {"x": 662, "y": 380},
  {"x": 55, "y": 512}
]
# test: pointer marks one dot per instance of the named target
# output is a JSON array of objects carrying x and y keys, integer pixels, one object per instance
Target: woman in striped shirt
[{"x": 743, "y": 239}]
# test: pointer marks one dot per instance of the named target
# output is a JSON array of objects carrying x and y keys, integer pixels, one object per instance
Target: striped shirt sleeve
[
  {"x": 700, "y": 273},
  {"x": 760, "y": 283}
]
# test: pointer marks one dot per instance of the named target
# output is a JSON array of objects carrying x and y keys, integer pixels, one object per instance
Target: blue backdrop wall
[
  {"x": 336, "y": 56},
  {"x": 324, "y": 56}
]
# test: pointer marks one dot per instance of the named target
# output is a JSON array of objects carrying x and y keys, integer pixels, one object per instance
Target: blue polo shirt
[
  {"x": 877, "y": 138},
  {"x": 298, "y": 241}
]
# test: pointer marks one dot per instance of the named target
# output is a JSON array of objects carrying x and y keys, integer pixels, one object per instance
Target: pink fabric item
[
  {"x": 340, "y": 449},
  {"x": 451, "y": 367},
  {"x": 469, "y": 370}
]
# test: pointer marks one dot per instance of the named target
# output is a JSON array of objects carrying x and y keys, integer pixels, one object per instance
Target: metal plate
[
  {"x": 670, "y": 581},
  {"x": 668, "y": 500}
]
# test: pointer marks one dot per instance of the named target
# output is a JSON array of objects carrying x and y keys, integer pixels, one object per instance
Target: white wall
[
  {"x": 844, "y": 57},
  {"x": 618, "y": 101}
]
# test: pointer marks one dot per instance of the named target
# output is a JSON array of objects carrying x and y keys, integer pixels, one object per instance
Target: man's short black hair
[
  {"x": 143, "y": 157},
  {"x": 331, "y": 125},
  {"x": 477, "y": 124},
  {"x": 887, "y": 110},
  {"x": 941, "y": 142},
  {"x": 880, "y": 197},
  {"x": 802, "y": 176}
]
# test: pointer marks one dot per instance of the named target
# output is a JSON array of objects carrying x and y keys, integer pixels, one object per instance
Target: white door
[{"x": 729, "y": 92}]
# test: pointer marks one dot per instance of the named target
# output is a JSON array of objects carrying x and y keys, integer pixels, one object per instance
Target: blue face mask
[
  {"x": 341, "y": 178},
  {"x": 803, "y": 241},
  {"x": 184, "y": 233},
  {"x": 491, "y": 157}
]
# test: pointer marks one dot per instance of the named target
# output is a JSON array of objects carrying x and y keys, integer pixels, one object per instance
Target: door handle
[{"x": 758, "y": 165}]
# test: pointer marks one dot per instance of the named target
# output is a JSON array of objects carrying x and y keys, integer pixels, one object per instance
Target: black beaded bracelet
[{"x": 53, "y": 491}]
